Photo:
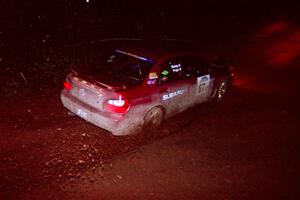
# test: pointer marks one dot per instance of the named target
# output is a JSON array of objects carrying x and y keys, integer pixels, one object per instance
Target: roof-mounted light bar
[{"x": 133, "y": 55}]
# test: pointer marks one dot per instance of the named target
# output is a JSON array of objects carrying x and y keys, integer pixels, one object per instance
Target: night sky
[
  {"x": 36, "y": 23},
  {"x": 25, "y": 21}
]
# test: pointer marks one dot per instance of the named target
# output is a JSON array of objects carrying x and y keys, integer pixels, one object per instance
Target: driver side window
[
  {"x": 194, "y": 67},
  {"x": 171, "y": 71}
]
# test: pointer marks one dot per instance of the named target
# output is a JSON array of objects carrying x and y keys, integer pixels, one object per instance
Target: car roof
[{"x": 154, "y": 50}]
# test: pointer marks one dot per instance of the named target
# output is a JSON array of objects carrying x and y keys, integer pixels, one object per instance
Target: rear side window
[
  {"x": 121, "y": 66},
  {"x": 127, "y": 67}
]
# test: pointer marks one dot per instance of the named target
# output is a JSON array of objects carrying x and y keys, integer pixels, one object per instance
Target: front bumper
[{"x": 116, "y": 124}]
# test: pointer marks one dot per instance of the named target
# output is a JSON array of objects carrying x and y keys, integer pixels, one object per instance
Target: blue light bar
[{"x": 133, "y": 55}]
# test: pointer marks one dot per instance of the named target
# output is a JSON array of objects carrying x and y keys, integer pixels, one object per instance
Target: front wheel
[{"x": 221, "y": 90}]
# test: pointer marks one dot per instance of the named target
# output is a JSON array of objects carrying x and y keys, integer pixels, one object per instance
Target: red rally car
[{"x": 133, "y": 89}]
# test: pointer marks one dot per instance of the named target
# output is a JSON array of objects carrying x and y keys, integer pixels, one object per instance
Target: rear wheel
[
  {"x": 221, "y": 90},
  {"x": 153, "y": 118}
]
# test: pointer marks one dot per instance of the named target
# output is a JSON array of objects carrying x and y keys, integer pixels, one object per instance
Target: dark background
[
  {"x": 67, "y": 21},
  {"x": 39, "y": 40}
]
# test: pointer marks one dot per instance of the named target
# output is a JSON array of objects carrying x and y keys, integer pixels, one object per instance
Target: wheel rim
[
  {"x": 154, "y": 117},
  {"x": 222, "y": 90}
]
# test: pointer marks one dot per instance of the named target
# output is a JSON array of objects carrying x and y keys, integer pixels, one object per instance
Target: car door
[
  {"x": 173, "y": 88},
  {"x": 200, "y": 89}
]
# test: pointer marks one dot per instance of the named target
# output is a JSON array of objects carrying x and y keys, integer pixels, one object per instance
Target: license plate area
[{"x": 81, "y": 113}]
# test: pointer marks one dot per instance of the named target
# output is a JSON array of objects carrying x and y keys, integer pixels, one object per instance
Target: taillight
[
  {"x": 120, "y": 105},
  {"x": 67, "y": 86}
]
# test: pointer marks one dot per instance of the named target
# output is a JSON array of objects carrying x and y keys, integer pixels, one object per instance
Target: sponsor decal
[
  {"x": 176, "y": 68},
  {"x": 151, "y": 81},
  {"x": 172, "y": 94},
  {"x": 204, "y": 79},
  {"x": 152, "y": 78},
  {"x": 165, "y": 72},
  {"x": 153, "y": 75}
]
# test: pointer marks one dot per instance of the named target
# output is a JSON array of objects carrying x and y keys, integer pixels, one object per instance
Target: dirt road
[{"x": 245, "y": 148}]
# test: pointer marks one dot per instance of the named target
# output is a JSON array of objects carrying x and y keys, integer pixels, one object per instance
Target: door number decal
[{"x": 203, "y": 84}]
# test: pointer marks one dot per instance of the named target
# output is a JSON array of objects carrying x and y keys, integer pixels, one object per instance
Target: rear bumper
[{"x": 116, "y": 124}]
